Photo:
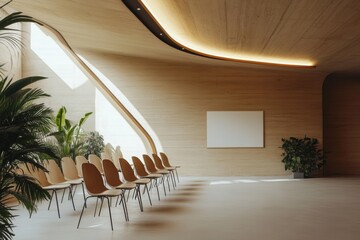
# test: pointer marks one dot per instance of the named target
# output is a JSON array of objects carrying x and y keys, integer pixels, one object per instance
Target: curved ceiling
[
  {"x": 158, "y": 18},
  {"x": 326, "y": 32}
]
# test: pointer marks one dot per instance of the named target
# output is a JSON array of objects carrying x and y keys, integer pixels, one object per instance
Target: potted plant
[
  {"x": 94, "y": 144},
  {"x": 302, "y": 155}
]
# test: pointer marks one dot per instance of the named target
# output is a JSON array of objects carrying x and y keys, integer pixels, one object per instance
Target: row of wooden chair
[
  {"x": 85, "y": 171},
  {"x": 51, "y": 181},
  {"x": 94, "y": 170}
]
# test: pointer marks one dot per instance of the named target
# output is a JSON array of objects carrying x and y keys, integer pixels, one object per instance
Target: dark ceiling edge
[
  {"x": 147, "y": 19},
  {"x": 143, "y": 14}
]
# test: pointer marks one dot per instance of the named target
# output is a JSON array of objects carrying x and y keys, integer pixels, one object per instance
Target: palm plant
[{"x": 22, "y": 126}]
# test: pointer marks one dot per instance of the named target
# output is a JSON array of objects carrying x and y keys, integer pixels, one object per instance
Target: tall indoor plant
[
  {"x": 302, "y": 155},
  {"x": 69, "y": 138},
  {"x": 23, "y": 124}
]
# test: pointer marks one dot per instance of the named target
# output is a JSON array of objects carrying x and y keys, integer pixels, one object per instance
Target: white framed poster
[{"x": 235, "y": 129}]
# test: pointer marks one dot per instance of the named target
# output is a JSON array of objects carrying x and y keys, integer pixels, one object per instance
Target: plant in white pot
[{"x": 302, "y": 155}]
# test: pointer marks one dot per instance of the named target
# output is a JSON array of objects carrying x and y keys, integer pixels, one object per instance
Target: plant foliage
[
  {"x": 94, "y": 144},
  {"x": 23, "y": 125},
  {"x": 302, "y": 155},
  {"x": 69, "y": 138}
]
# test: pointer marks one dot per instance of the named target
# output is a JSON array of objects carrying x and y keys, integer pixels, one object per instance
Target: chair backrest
[
  {"x": 150, "y": 166},
  {"x": 115, "y": 158},
  {"x": 158, "y": 162},
  {"x": 165, "y": 159},
  {"x": 111, "y": 173},
  {"x": 105, "y": 155},
  {"x": 79, "y": 161},
  {"x": 28, "y": 170},
  {"x": 38, "y": 174},
  {"x": 54, "y": 174},
  {"x": 41, "y": 177},
  {"x": 127, "y": 171},
  {"x": 139, "y": 167},
  {"x": 24, "y": 169},
  {"x": 118, "y": 152},
  {"x": 69, "y": 168},
  {"x": 94, "y": 159},
  {"x": 109, "y": 149},
  {"x": 92, "y": 178}
]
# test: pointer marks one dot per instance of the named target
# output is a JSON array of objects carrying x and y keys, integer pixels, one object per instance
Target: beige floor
[{"x": 216, "y": 208}]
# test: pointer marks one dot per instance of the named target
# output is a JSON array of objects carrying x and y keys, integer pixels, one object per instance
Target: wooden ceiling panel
[{"x": 325, "y": 31}]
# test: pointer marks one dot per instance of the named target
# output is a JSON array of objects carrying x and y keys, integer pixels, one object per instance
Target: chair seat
[
  {"x": 164, "y": 171},
  {"x": 57, "y": 186},
  {"x": 170, "y": 168},
  {"x": 128, "y": 185},
  {"x": 154, "y": 175},
  {"x": 74, "y": 181},
  {"x": 108, "y": 193},
  {"x": 142, "y": 181}
]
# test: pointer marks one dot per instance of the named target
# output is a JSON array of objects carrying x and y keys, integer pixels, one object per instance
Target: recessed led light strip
[{"x": 142, "y": 10}]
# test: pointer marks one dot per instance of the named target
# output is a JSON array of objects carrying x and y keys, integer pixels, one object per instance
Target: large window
[{"x": 68, "y": 87}]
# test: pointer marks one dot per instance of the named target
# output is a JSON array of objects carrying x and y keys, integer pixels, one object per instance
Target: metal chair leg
[
  {"x": 82, "y": 211},
  {"x": 112, "y": 229},
  {"x": 157, "y": 188},
  {"x": 163, "y": 183},
  {"x": 139, "y": 198},
  {"x": 57, "y": 203},
  {"x": 147, "y": 189},
  {"x": 51, "y": 198}
]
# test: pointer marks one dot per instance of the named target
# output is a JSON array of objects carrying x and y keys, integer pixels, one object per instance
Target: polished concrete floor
[{"x": 249, "y": 208}]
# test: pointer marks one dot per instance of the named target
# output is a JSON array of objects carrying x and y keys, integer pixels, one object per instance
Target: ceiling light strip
[{"x": 142, "y": 12}]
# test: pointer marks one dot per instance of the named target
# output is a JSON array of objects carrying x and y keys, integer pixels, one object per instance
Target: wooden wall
[
  {"x": 174, "y": 98},
  {"x": 342, "y": 124}
]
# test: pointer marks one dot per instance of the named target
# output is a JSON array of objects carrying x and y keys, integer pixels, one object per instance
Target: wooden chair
[
  {"x": 79, "y": 160},
  {"x": 94, "y": 159},
  {"x": 159, "y": 165},
  {"x": 115, "y": 157},
  {"x": 95, "y": 187},
  {"x": 40, "y": 177},
  {"x": 142, "y": 173},
  {"x": 113, "y": 180},
  {"x": 167, "y": 164},
  {"x": 55, "y": 176},
  {"x": 151, "y": 168},
  {"x": 70, "y": 172},
  {"x": 129, "y": 176},
  {"x": 109, "y": 149},
  {"x": 104, "y": 155}
]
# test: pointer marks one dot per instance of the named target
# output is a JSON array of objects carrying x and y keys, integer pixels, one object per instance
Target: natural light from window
[
  {"x": 129, "y": 138},
  {"x": 108, "y": 121},
  {"x": 56, "y": 58}
]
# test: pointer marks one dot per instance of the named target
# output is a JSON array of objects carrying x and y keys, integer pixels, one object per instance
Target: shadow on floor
[{"x": 176, "y": 204}]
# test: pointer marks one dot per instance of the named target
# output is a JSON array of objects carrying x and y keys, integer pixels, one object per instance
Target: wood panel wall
[
  {"x": 174, "y": 98},
  {"x": 342, "y": 124}
]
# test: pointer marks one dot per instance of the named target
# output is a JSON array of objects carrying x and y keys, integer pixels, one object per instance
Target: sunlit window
[
  {"x": 108, "y": 121},
  {"x": 56, "y": 58}
]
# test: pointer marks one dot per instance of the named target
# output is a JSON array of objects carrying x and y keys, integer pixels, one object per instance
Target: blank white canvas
[{"x": 233, "y": 129}]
